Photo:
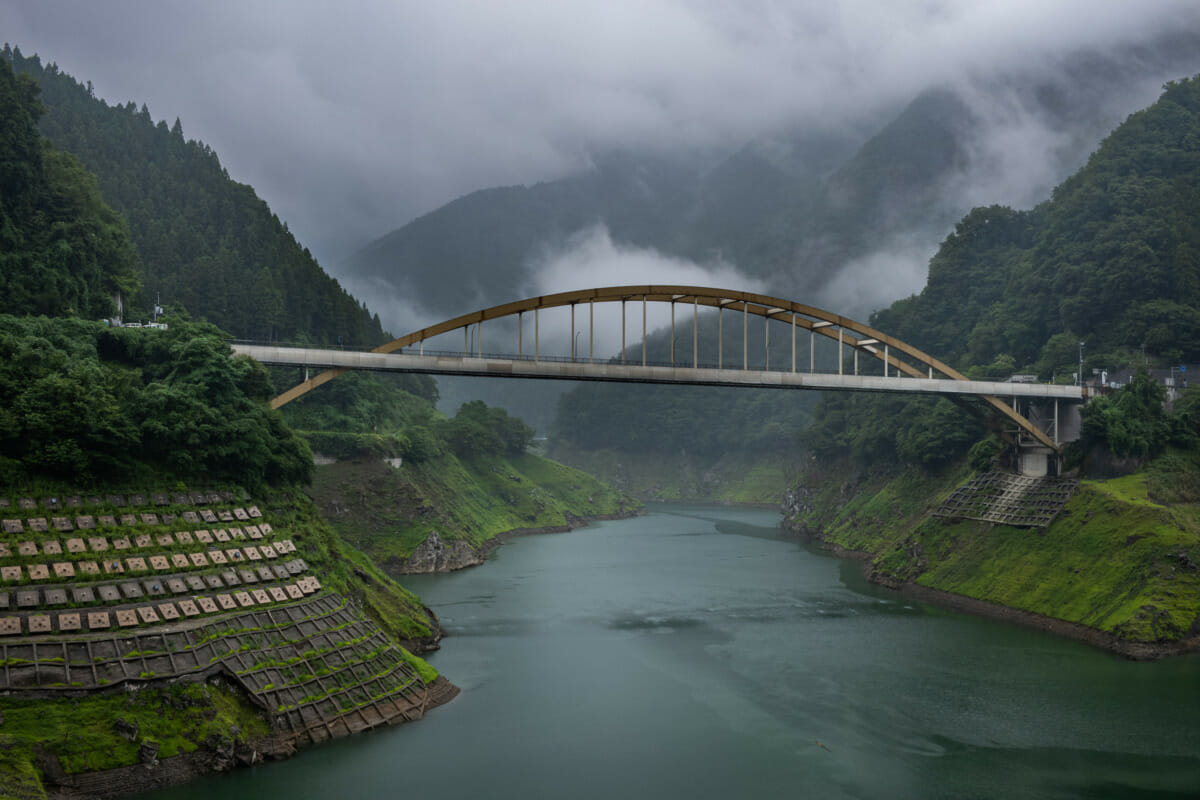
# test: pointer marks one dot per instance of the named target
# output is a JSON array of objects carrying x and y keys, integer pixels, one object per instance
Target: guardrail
[{"x": 611, "y": 360}]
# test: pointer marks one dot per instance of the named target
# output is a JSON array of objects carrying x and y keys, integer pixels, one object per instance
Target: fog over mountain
[
  {"x": 353, "y": 119},
  {"x": 847, "y": 220}
]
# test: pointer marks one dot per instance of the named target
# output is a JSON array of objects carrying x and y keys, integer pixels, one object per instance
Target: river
[{"x": 693, "y": 653}]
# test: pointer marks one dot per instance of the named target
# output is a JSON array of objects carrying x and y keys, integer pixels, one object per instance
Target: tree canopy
[
  {"x": 62, "y": 250},
  {"x": 81, "y": 402}
]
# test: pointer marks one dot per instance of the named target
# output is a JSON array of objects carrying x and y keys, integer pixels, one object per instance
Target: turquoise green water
[{"x": 691, "y": 653}]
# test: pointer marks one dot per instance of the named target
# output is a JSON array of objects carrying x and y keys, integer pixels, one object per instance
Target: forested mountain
[
  {"x": 485, "y": 248},
  {"x": 1111, "y": 259},
  {"x": 204, "y": 241},
  {"x": 62, "y": 250},
  {"x": 83, "y": 402}
]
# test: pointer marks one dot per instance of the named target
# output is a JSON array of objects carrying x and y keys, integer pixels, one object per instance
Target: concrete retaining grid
[
  {"x": 1007, "y": 499},
  {"x": 310, "y": 659},
  {"x": 319, "y": 668}
]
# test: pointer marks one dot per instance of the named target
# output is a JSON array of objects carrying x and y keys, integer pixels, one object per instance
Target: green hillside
[
  {"x": 1110, "y": 259},
  {"x": 62, "y": 250},
  {"x": 1120, "y": 561},
  {"x": 204, "y": 241},
  {"x": 85, "y": 404},
  {"x": 461, "y": 503}
]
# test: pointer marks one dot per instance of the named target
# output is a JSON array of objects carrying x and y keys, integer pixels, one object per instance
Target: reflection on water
[{"x": 693, "y": 653}]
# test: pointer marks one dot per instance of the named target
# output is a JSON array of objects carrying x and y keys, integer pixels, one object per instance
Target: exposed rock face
[
  {"x": 219, "y": 754},
  {"x": 245, "y": 754},
  {"x": 221, "y": 748},
  {"x": 126, "y": 729},
  {"x": 436, "y": 555},
  {"x": 796, "y": 500},
  {"x": 148, "y": 753}
]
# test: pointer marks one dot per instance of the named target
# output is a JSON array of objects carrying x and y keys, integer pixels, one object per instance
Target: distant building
[{"x": 1174, "y": 379}]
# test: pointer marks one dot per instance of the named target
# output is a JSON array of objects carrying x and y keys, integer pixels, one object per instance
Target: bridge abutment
[{"x": 1036, "y": 461}]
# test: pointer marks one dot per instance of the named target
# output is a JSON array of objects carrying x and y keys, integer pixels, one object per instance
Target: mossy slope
[
  {"x": 77, "y": 733},
  {"x": 81, "y": 735},
  {"x": 348, "y": 570},
  {"x": 387, "y": 512},
  {"x": 1114, "y": 560}
]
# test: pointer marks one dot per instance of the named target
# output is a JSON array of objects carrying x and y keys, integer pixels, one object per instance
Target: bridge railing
[
  {"x": 578, "y": 359},
  {"x": 552, "y": 359}
]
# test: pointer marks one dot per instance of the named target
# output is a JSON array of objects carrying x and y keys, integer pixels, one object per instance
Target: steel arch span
[{"x": 898, "y": 358}]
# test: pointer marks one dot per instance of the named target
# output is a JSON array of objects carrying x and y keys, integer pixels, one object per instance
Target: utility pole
[{"x": 1080, "y": 381}]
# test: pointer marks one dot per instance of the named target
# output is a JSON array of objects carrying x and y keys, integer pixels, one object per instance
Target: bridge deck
[{"x": 583, "y": 370}]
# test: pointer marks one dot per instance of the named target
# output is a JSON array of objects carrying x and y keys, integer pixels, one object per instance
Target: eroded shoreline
[{"x": 436, "y": 556}]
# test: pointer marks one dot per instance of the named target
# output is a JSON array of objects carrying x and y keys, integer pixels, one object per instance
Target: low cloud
[
  {"x": 862, "y": 285},
  {"x": 591, "y": 259},
  {"x": 400, "y": 311},
  {"x": 585, "y": 260},
  {"x": 352, "y": 119}
]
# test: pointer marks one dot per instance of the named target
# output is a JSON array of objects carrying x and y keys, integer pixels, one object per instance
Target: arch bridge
[{"x": 896, "y": 365}]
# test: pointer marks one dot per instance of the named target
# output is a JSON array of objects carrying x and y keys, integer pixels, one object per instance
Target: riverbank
[
  {"x": 436, "y": 556},
  {"x": 1116, "y": 569},
  {"x": 218, "y": 754},
  {"x": 449, "y": 513},
  {"x": 1137, "y": 651},
  {"x": 463, "y": 507}
]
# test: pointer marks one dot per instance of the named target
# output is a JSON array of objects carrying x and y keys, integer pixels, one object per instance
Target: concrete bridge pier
[
  {"x": 1061, "y": 421},
  {"x": 1037, "y": 461}
]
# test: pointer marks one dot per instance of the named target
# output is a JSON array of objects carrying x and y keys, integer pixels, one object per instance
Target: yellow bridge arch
[{"x": 898, "y": 357}]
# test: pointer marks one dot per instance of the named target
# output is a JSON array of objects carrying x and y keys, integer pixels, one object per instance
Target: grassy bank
[
  {"x": 1116, "y": 560},
  {"x": 79, "y": 732},
  {"x": 387, "y": 512}
]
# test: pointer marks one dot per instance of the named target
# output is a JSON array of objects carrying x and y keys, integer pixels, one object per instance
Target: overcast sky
[{"x": 351, "y": 118}]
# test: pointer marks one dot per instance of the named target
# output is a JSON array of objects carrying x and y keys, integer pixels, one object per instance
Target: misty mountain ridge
[{"x": 831, "y": 215}]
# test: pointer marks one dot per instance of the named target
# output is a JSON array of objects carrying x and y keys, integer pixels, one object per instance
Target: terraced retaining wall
[{"x": 103, "y": 594}]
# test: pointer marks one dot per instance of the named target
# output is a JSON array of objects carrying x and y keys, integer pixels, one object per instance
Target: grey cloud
[{"x": 352, "y": 118}]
